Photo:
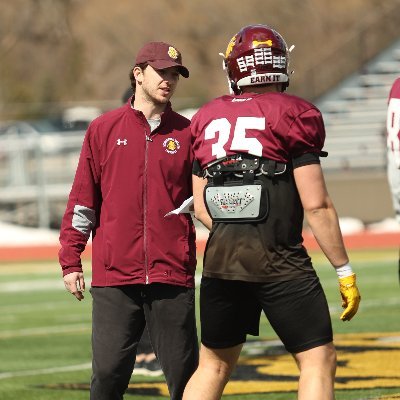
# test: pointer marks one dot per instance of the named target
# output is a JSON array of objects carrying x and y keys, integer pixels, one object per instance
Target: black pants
[
  {"x": 119, "y": 318},
  {"x": 145, "y": 346}
]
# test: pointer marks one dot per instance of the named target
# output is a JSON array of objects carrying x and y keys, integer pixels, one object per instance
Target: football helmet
[{"x": 256, "y": 55}]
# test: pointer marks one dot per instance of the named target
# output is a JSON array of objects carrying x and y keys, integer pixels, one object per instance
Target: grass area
[{"x": 45, "y": 332}]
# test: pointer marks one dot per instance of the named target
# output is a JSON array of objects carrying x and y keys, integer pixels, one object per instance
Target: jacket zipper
[{"x": 148, "y": 139}]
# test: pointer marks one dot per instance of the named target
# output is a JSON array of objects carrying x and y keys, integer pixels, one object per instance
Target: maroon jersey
[
  {"x": 277, "y": 126},
  {"x": 393, "y": 121}
]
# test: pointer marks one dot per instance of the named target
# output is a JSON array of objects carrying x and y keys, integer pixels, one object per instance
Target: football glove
[{"x": 350, "y": 297}]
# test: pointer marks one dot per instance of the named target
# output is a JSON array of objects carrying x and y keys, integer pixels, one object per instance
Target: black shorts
[{"x": 297, "y": 311}]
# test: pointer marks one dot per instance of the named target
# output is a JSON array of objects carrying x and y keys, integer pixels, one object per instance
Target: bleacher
[{"x": 355, "y": 115}]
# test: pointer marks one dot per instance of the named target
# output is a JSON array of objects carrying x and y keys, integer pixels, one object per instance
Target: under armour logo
[{"x": 124, "y": 142}]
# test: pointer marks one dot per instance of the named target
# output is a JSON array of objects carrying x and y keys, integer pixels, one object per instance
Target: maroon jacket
[{"x": 127, "y": 179}]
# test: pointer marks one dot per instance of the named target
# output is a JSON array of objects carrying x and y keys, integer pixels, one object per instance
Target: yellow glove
[{"x": 350, "y": 297}]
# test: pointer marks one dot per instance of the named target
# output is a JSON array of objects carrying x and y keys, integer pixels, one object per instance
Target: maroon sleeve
[
  {"x": 306, "y": 133},
  {"x": 82, "y": 208},
  {"x": 395, "y": 90}
]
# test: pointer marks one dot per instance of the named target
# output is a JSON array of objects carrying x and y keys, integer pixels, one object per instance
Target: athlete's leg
[
  {"x": 227, "y": 313},
  {"x": 393, "y": 174},
  {"x": 299, "y": 313},
  {"x": 317, "y": 373},
  {"x": 210, "y": 378}
]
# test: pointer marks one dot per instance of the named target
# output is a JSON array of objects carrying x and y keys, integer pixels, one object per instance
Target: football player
[
  {"x": 259, "y": 151},
  {"x": 393, "y": 148}
]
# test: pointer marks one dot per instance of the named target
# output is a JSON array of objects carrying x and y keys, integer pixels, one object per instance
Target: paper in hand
[{"x": 185, "y": 207}]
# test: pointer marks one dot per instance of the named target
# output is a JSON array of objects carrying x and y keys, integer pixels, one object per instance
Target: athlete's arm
[
  {"x": 323, "y": 221},
  {"x": 200, "y": 210},
  {"x": 320, "y": 213}
]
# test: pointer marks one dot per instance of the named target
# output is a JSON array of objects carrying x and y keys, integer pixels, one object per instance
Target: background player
[{"x": 393, "y": 147}]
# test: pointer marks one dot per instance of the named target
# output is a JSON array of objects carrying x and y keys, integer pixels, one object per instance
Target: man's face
[{"x": 156, "y": 86}]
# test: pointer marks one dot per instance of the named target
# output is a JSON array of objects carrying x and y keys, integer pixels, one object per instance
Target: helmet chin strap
[{"x": 235, "y": 89}]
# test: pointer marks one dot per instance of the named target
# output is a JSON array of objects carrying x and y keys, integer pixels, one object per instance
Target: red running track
[{"x": 364, "y": 240}]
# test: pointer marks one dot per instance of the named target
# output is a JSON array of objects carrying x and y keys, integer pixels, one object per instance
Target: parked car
[
  {"x": 51, "y": 134},
  {"x": 72, "y": 119}
]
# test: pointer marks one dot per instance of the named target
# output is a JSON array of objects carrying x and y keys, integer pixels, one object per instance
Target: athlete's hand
[
  {"x": 350, "y": 297},
  {"x": 75, "y": 284}
]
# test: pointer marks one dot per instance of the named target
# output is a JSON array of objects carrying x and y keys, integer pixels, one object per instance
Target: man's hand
[
  {"x": 350, "y": 297},
  {"x": 75, "y": 284}
]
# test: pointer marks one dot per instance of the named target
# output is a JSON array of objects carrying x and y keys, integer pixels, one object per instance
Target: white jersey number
[{"x": 239, "y": 141}]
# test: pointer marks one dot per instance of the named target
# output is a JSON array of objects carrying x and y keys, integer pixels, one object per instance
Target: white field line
[
  {"x": 44, "y": 330},
  {"x": 84, "y": 327},
  {"x": 44, "y": 371},
  {"x": 25, "y": 307},
  {"x": 388, "y": 279},
  {"x": 394, "y": 301},
  {"x": 57, "y": 284},
  {"x": 389, "y": 302},
  {"x": 32, "y": 286},
  {"x": 44, "y": 284}
]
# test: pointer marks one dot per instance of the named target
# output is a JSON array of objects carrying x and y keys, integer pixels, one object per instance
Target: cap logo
[
  {"x": 257, "y": 43},
  {"x": 173, "y": 53}
]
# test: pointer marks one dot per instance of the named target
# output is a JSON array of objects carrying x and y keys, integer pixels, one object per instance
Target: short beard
[{"x": 155, "y": 100}]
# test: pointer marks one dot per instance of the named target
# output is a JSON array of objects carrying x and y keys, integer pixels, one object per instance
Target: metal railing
[{"x": 36, "y": 172}]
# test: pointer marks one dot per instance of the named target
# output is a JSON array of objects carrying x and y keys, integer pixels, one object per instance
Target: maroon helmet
[{"x": 257, "y": 55}]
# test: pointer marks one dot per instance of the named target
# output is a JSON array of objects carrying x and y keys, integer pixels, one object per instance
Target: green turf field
[{"x": 45, "y": 339}]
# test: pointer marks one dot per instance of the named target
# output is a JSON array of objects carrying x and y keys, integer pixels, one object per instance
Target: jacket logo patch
[
  {"x": 171, "y": 145},
  {"x": 122, "y": 141}
]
